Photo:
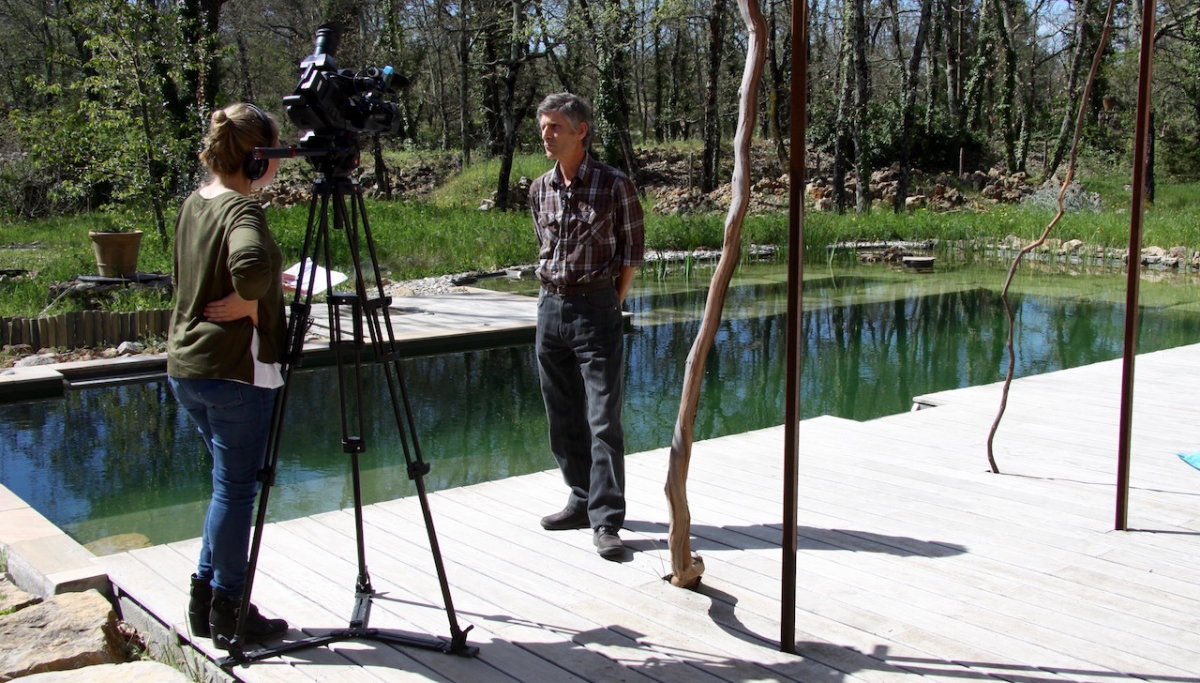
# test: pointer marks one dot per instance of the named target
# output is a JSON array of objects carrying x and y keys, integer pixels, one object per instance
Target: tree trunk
[
  {"x": 464, "y": 83},
  {"x": 1078, "y": 55},
  {"x": 776, "y": 96},
  {"x": 953, "y": 47},
  {"x": 1008, "y": 93},
  {"x": 659, "y": 102},
  {"x": 843, "y": 140},
  {"x": 383, "y": 179},
  {"x": 709, "y": 170},
  {"x": 247, "y": 94},
  {"x": 623, "y": 109},
  {"x": 1026, "y": 128},
  {"x": 1150, "y": 159},
  {"x": 611, "y": 30},
  {"x": 908, "y": 99},
  {"x": 934, "y": 75},
  {"x": 862, "y": 93},
  {"x": 512, "y": 67},
  {"x": 492, "y": 95},
  {"x": 982, "y": 67},
  {"x": 685, "y": 567}
]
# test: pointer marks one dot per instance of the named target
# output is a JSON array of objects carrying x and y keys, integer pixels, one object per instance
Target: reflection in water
[{"x": 124, "y": 459}]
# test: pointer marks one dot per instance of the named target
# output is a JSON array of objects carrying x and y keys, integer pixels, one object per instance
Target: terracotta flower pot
[{"x": 116, "y": 252}]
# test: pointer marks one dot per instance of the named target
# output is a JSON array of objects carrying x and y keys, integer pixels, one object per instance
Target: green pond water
[{"x": 124, "y": 459}]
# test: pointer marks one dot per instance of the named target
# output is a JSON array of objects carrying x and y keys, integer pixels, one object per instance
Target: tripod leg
[
  {"x": 347, "y": 347},
  {"x": 383, "y": 340},
  {"x": 314, "y": 235}
]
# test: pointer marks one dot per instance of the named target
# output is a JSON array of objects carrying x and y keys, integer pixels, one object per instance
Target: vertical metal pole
[
  {"x": 795, "y": 318},
  {"x": 1137, "y": 207}
]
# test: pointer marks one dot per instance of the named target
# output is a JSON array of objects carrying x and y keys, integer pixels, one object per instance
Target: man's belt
[{"x": 580, "y": 289}]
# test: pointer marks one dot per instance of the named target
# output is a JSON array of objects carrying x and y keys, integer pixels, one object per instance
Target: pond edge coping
[{"x": 42, "y": 559}]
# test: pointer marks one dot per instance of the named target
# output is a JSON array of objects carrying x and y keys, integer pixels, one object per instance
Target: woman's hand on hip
[{"x": 230, "y": 308}]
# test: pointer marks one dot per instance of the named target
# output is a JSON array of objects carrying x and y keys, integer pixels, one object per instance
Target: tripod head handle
[{"x": 289, "y": 152}]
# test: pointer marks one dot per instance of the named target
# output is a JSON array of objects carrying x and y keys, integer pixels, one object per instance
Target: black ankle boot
[
  {"x": 223, "y": 618},
  {"x": 199, "y": 606}
]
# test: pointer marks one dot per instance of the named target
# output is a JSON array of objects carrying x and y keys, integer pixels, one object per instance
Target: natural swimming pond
[{"x": 124, "y": 459}]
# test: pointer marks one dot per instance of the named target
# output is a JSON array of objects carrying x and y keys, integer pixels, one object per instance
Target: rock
[
  {"x": 13, "y": 598},
  {"x": 32, "y": 361},
  {"x": 111, "y": 545},
  {"x": 1072, "y": 246},
  {"x": 66, "y": 632},
  {"x": 1154, "y": 251},
  {"x": 1178, "y": 253},
  {"x": 129, "y": 348},
  {"x": 142, "y": 672}
]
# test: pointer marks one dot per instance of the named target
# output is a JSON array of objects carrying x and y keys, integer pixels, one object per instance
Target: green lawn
[{"x": 447, "y": 234}]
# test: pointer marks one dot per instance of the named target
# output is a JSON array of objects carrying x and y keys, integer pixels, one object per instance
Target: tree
[
  {"x": 113, "y": 131},
  {"x": 709, "y": 168},
  {"x": 610, "y": 26},
  {"x": 513, "y": 111},
  {"x": 851, "y": 121},
  {"x": 908, "y": 94}
]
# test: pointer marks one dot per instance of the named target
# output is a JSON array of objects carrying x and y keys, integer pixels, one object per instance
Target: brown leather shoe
[
  {"x": 608, "y": 543},
  {"x": 566, "y": 519}
]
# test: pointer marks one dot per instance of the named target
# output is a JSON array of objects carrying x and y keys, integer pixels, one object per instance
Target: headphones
[{"x": 257, "y": 168}]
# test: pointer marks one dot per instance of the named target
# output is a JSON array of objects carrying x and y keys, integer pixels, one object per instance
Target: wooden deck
[
  {"x": 915, "y": 562},
  {"x": 467, "y": 319}
]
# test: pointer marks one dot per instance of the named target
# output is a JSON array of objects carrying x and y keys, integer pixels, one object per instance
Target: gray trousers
[{"x": 581, "y": 354}]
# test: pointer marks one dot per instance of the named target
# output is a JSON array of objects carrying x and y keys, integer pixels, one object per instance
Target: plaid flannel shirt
[{"x": 588, "y": 230}]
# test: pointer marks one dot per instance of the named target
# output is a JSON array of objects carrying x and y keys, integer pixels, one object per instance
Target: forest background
[{"x": 105, "y": 102}]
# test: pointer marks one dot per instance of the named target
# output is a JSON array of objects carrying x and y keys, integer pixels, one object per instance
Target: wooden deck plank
[
  {"x": 628, "y": 607},
  {"x": 915, "y": 563}
]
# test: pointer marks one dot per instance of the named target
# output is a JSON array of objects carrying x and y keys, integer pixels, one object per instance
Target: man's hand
[{"x": 230, "y": 308}]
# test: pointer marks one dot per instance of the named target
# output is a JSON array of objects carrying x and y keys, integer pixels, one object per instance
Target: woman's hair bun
[{"x": 219, "y": 116}]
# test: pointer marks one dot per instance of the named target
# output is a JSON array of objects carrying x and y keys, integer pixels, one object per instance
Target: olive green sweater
[{"x": 222, "y": 245}]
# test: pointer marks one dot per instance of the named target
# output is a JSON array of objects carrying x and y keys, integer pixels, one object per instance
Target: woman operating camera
[{"x": 227, "y": 336}]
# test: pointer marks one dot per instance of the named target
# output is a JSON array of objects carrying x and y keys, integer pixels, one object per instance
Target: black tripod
[{"x": 330, "y": 191}]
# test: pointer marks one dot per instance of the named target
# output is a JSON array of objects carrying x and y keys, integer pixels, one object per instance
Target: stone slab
[
  {"x": 17, "y": 384},
  {"x": 142, "y": 672},
  {"x": 41, "y": 558}
]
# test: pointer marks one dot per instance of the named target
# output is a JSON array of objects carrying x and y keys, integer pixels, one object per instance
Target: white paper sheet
[{"x": 314, "y": 274}]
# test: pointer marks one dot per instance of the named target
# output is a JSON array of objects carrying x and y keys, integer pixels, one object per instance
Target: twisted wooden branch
[
  {"x": 1012, "y": 358},
  {"x": 685, "y": 567}
]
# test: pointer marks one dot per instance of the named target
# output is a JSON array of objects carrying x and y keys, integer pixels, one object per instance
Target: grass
[
  {"x": 416, "y": 239},
  {"x": 57, "y": 250},
  {"x": 479, "y": 180},
  {"x": 448, "y": 234}
]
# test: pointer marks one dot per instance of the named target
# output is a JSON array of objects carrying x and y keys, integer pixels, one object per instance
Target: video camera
[{"x": 329, "y": 100}]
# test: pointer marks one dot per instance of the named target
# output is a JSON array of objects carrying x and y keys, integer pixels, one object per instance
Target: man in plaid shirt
[{"x": 590, "y": 241}]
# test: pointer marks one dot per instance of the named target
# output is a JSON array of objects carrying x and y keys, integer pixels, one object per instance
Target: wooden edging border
[{"x": 81, "y": 329}]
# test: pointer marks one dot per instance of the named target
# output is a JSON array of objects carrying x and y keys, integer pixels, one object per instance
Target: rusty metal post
[
  {"x": 795, "y": 318},
  {"x": 1137, "y": 208}
]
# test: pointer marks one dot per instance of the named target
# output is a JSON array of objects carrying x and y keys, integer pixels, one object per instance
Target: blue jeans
[
  {"x": 235, "y": 421},
  {"x": 581, "y": 355}
]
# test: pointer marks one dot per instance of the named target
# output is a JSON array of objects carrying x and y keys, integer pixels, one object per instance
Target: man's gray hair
[{"x": 573, "y": 107}]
